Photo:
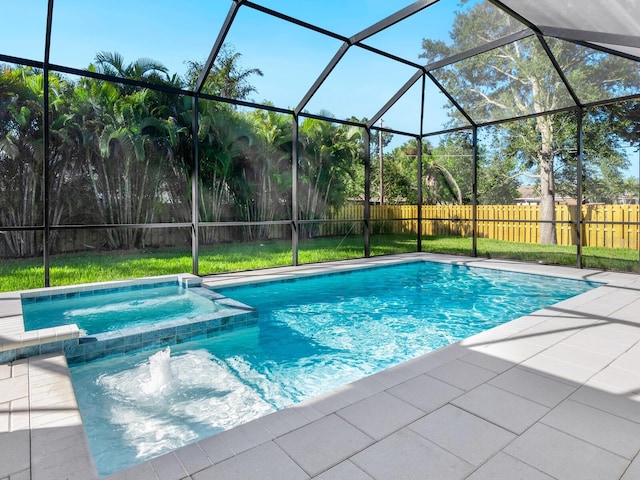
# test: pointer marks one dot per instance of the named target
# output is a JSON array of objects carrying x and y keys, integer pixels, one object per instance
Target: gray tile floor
[{"x": 555, "y": 394}]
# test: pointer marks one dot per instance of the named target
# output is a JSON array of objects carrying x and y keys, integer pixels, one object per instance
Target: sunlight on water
[{"x": 128, "y": 307}]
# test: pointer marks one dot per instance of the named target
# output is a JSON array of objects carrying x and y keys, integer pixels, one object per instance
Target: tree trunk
[{"x": 547, "y": 184}]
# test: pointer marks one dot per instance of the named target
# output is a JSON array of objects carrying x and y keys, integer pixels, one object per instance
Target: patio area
[{"x": 554, "y": 394}]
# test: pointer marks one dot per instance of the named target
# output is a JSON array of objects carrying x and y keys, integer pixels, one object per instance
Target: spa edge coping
[{"x": 16, "y": 343}]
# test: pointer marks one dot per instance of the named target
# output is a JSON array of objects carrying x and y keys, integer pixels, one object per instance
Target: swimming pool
[{"x": 313, "y": 335}]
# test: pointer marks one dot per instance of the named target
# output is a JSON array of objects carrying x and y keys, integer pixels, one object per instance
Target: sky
[{"x": 290, "y": 57}]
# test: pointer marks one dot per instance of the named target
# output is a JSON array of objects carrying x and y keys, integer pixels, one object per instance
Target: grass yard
[{"x": 89, "y": 267}]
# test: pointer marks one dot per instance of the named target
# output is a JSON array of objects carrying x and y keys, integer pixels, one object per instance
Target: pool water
[
  {"x": 107, "y": 312},
  {"x": 313, "y": 335}
]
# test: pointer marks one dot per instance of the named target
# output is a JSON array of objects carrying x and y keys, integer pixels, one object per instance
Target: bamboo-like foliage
[
  {"x": 121, "y": 155},
  {"x": 329, "y": 158},
  {"x": 21, "y": 94}
]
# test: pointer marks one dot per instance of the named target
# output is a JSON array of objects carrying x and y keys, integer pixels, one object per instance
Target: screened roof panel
[
  {"x": 439, "y": 112},
  {"x": 468, "y": 25},
  {"x": 614, "y": 22},
  {"x": 404, "y": 39},
  {"x": 23, "y": 30},
  {"x": 404, "y": 115},
  {"x": 360, "y": 85},
  {"x": 167, "y": 32},
  {"x": 634, "y": 51},
  {"x": 595, "y": 75},
  {"x": 511, "y": 81},
  {"x": 290, "y": 57},
  {"x": 344, "y": 17}
]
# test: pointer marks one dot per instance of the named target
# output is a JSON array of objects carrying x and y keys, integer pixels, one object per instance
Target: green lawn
[{"x": 87, "y": 267}]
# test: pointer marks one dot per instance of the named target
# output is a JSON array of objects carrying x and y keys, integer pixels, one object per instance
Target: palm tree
[
  {"x": 434, "y": 172},
  {"x": 126, "y": 154},
  {"x": 21, "y": 100},
  {"x": 226, "y": 78},
  {"x": 439, "y": 182},
  {"x": 328, "y": 160},
  {"x": 112, "y": 63},
  {"x": 274, "y": 133}
]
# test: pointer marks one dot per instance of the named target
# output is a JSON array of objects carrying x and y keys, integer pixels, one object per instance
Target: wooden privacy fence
[{"x": 614, "y": 226}]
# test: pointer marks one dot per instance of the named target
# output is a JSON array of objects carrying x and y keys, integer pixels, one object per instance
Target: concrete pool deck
[{"x": 554, "y": 394}]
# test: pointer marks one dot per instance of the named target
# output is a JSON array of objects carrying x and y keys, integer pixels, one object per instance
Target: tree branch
[
  {"x": 488, "y": 100},
  {"x": 509, "y": 75},
  {"x": 522, "y": 174}
]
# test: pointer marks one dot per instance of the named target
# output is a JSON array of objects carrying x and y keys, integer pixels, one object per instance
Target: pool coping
[{"x": 367, "y": 420}]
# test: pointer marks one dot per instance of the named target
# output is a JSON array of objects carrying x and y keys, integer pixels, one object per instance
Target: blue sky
[{"x": 290, "y": 57}]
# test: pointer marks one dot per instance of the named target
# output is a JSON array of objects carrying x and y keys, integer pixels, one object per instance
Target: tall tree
[
  {"x": 274, "y": 133},
  {"x": 113, "y": 63},
  {"x": 624, "y": 119},
  {"x": 330, "y": 155},
  {"x": 126, "y": 154},
  {"x": 518, "y": 79},
  {"x": 227, "y": 78}
]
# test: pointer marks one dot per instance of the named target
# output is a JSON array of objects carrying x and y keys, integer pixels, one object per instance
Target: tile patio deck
[{"x": 554, "y": 394}]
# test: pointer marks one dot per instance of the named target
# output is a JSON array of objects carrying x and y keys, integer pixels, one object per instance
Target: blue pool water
[
  {"x": 312, "y": 335},
  {"x": 107, "y": 312}
]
